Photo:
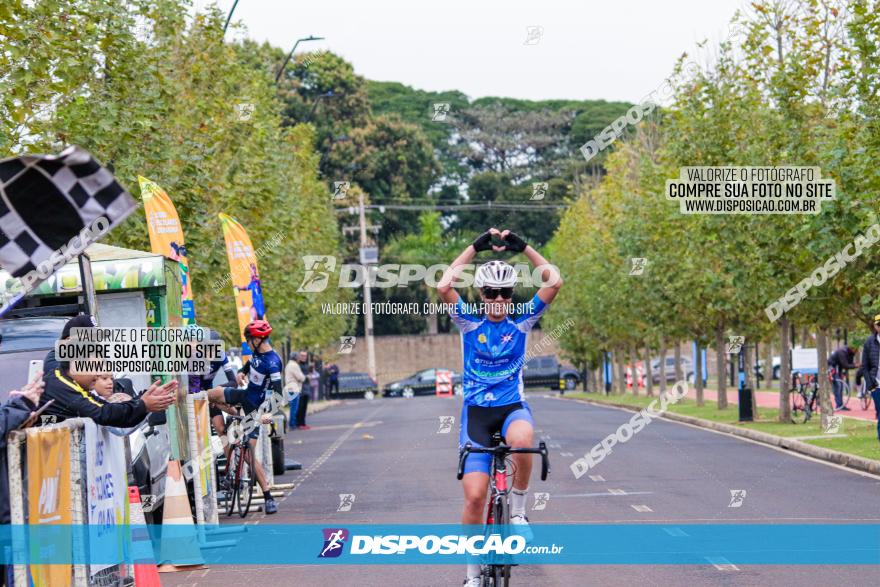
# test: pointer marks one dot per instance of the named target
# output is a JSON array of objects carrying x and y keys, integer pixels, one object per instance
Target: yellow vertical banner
[
  {"x": 244, "y": 274},
  {"x": 166, "y": 238},
  {"x": 48, "y": 470},
  {"x": 203, "y": 436}
]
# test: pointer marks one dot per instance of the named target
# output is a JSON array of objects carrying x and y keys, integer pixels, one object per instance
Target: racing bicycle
[
  {"x": 864, "y": 395},
  {"x": 804, "y": 396},
  {"x": 240, "y": 477},
  {"x": 497, "y": 573}
]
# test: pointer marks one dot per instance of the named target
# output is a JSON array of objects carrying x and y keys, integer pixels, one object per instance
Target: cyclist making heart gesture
[{"x": 494, "y": 349}]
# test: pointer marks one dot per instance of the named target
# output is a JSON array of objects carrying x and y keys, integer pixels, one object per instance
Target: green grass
[{"x": 860, "y": 439}]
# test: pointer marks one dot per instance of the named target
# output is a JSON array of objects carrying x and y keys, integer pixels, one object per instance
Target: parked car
[
  {"x": 421, "y": 383},
  {"x": 668, "y": 369},
  {"x": 547, "y": 372},
  {"x": 24, "y": 340},
  {"x": 356, "y": 384}
]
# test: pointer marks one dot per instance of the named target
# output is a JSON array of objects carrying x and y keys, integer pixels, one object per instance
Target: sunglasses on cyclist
[{"x": 493, "y": 292}]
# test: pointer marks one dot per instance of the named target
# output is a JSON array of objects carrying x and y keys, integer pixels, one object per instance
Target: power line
[{"x": 453, "y": 207}]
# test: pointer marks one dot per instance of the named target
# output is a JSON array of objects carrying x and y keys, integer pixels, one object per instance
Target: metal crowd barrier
[{"x": 19, "y": 502}]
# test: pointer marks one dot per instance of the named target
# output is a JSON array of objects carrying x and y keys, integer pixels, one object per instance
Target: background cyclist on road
[
  {"x": 262, "y": 371},
  {"x": 494, "y": 348}
]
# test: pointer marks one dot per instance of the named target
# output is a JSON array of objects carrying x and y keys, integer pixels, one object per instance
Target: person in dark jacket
[
  {"x": 840, "y": 362},
  {"x": 870, "y": 362},
  {"x": 17, "y": 412},
  {"x": 70, "y": 390}
]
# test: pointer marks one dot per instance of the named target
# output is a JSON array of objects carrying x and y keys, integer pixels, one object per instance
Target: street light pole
[
  {"x": 290, "y": 55},
  {"x": 229, "y": 18},
  {"x": 368, "y": 298}
]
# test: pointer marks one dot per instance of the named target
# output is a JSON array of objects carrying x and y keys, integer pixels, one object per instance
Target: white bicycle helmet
[{"x": 495, "y": 274}]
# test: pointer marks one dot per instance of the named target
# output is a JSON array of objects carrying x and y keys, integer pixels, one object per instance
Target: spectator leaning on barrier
[
  {"x": 80, "y": 321},
  {"x": 68, "y": 388},
  {"x": 870, "y": 362}
]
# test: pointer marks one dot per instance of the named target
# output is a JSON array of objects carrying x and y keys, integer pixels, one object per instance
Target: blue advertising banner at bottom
[{"x": 569, "y": 544}]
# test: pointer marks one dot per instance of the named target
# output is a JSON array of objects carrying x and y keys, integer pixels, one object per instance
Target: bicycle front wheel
[
  {"x": 246, "y": 484},
  {"x": 865, "y": 398},
  {"x": 798, "y": 407},
  {"x": 232, "y": 476},
  {"x": 501, "y": 573}
]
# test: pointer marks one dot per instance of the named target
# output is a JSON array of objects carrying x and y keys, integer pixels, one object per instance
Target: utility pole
[{"x": 368, "y": 298}]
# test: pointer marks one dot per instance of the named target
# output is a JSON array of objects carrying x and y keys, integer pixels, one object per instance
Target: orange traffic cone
[
  {"x": 183, "y": 549},
  {"x": 145, "y": 573}
]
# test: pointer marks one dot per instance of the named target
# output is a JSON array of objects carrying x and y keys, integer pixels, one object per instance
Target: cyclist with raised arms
[
  {"x": 263, "y": 371},
  {"x": 494, "y": 349}
]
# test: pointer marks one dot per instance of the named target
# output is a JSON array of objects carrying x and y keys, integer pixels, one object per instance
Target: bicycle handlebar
[{"x": 505, "y": 450}]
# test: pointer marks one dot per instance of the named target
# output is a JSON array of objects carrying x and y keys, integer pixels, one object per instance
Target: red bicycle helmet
[{"x": 257, "y": 329}]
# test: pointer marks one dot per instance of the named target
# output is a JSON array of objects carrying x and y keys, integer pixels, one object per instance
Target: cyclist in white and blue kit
[{"x": 494, "y": 350}]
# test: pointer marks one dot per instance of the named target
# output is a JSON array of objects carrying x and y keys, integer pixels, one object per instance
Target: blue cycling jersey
[
  {"x": 264, "y": 368},
  {"x": 494, "y": 353}
]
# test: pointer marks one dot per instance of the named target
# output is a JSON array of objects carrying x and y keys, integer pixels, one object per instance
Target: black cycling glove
[
  {"x": 483, "y": 242},
  {"x": 515, "y": 243}
]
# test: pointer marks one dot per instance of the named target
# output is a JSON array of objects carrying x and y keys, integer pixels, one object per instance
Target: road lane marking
[
  {"x": 566, "y": 454},
  {"x": 641, "y": 508},
  {"x": 601, "y": 494},
  {"x": 721, "y": 563},
  {"x": 617, "y": 491},
  {"x": 677, "y": 532},
  {"x": 597, "y": 478}
]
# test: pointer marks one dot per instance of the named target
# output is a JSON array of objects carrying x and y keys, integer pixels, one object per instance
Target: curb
[
  {"x": 321, "y": 406},
  {"x": 817, "y": 452}
]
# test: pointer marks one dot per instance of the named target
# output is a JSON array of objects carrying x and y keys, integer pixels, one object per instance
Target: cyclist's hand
[
  {"x": 513, "y": 241},
  {"x": 484, "y": 241},
  {"x": 240, "y": 379}
]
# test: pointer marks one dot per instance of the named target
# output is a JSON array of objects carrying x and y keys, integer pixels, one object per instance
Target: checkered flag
[{"x": 46, "y": 200}]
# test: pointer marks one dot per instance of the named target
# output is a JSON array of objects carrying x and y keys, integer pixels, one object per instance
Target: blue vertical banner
[{"x": 702, "y": 362}]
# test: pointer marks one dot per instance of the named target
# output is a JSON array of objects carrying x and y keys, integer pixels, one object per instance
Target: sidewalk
[{"x": 770, "y": 399}]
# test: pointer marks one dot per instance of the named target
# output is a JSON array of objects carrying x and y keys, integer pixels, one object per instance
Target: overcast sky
[{"x": 618, "y": 50}]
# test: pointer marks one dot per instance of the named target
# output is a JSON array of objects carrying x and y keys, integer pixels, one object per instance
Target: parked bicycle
[
  {"x": 804, "y": 396},
  {"x": 497, "y": 574}
]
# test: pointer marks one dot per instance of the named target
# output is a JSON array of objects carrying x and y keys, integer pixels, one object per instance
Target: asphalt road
[{"x": 389, "y": 454}]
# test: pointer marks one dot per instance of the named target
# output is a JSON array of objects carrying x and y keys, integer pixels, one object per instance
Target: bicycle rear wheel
[
  {"x": 865, "y": 398},
  {"x": 246, "y": 484},
  {"x": 799, "y": 413}
]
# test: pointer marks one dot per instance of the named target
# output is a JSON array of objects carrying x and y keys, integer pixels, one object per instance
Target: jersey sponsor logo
[{"x": 482, "y": 338}]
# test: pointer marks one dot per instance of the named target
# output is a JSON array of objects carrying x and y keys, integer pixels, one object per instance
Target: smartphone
[
  {"x": 40, "y": 411},
  {"x": 35, "y": 367}
]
